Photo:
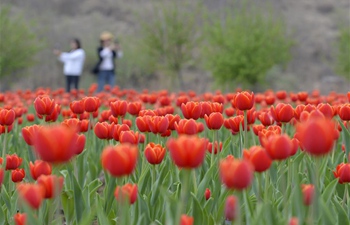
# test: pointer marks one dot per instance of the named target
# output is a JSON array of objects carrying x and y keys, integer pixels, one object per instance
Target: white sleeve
[
  {"x": 105, "y": 53},
  {"x": 71, "y": 55}
]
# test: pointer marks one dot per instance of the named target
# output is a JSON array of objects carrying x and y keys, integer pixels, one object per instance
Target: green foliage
[
  {"x": 343, "y": 56},
  {"x": 170, "y": 37},
  {"x": 244, "y": 44},
  {"x": 18, "y": 44}
]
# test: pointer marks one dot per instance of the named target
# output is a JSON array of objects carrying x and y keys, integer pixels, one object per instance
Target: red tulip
[
  {"x": 13, "y": 162},
  {"x": 104, "y": 130},
  {"x": 234, "y": 123},
  {"x": 243, "y": 100},
  {"x": 119, "y": 160},
  {"x": 20, "y": 219},
  {"x": 270, "y": 99},
  {"x": 72, "y": 123},
  {"x": 17, "y": 175},
  {"x": 282, "y": 113},
  {"x": 118, "y": 108},
  {"x": 44, "y": 105},
  {"x": 55, "y": 144},
  {"x": 258, "y": 128},
  {"x": 30, "y": 117},
  {"x": 217, "y": 147},
  {"x": 39, "y": 168},
  {"x": 279, "y": 147},
  {"x": 266, "y": 119},
  {"x": 134, "y": 108},
  {"x": 172, "y": 120},
  {"x": 141, "y": 123},
  {"x": 236, "y": 174},
  {"x": 259, "y": 158},
  {"x": 206, "y": 109},
  {"x": 281, "y": 95},
  {"x": 343, "y": 173},
  {"x": 91, "y": 104},
  {"x": 186, "y": 220},
  {"x": 79, "y": 145},
  {"x": 308, "y": 191},
  {"x": 214, "y": 121},
  {"x": 231, "y": 208},
  {"x": 187, "y": 151},
  {"x": 128, "y": 192},
  {"x": 158, "y": 124},
  {"x": 7, "y": 117},
  {"x": 130, "y": 137},
  {"x": 77, "y": 107},
  {"x": 117, "y": 129},
  {"x": 316, "y": 136},
  {"x": 229, "y": 111},
  {"x": 52, "y": 185},
  {"x": 344, "y": 112},
  {"x": 1, "y": 175},
  {"x": 293, "y": 221},
  {"x": 191, "y": 110},
  {"x": 32, "y": 194},
  {"x": 154, "y": 153},
  {"x": 207, "y": 194},
  {"x": 188, "y": 127},
  {"x": 302, "y": 96},
  {"x": 326, "y": 109}
]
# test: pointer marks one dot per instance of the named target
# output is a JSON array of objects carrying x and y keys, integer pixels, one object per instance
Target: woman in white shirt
[
  {"x": 107, "y": 54},
  {"x": 73, "y": 63}
]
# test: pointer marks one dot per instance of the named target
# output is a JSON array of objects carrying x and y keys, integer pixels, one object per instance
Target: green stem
[
  {"x": 248, "y": 211},
  {"x": 194, "y": 182},
  {"x": 267, "y": 182},
  {"x": 212, "y": 150},
  {"x": 183, "y": 198},
  {"x": 245, "y": 129}
]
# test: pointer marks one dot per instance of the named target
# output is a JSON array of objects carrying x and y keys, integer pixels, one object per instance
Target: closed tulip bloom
[
  {"x": 308, "y": 191},
  {"x": 326, "y": 109},
  {"x": 44, "y": 105},
  {"x": 316, "y": 136},
  {"x": 259, "y": 158},
  {"x": 217, "y": 147},
  {"x": 127, "y": 192},
  {"x": 118, "y": 108},
  {"x": 189, "y": 127},
  {"x": 7, "y": 117},
  {"x": 282, "y": 113},
  {"x": 20, "y": 219},
  {"x": 270, "y": 99},
  {"x": 266, "y": 119},
  {"x": 85, "y": 125},
  {"x": 214, "y": 121},
  {"x": 187, "y": 151},
  {"x": 234, "y": 123},
  {"x": 279, "y": 147},
  {"x": 302, "y": 96},
  {"x": 281, "y": 95},
  {"x": 130, "y": 137},
  {"x": 293, "y": 221},
  {"x": 243, "y": 100},
  {"x": 230, "y": 111},
  {"x": 207, "y": 194},
  {"x": 91, "y": 104},
  {"x": 39, "y": 168},
  {"x": 342, "y": 173},
  {"x": 158, "y": 124},
  {"x": 154, "y": 153},
  {"x": 134, "y": 108},
  {"x": 344, "y": 112},
  {"x": 79, "y": 143},
  {"x": 236, "y": 174},
  {"x": 104, "y": 130},
  {"x": 231, "y": 208},
  {"x": 258, "y": 128},
  {"x": 17, "y": 175},
  {"x": 119, "y": 160},
  {"x": 172, "y": 120},
  {"x": 30, "y": 117},
  {"x": 52, "y": 185},
  {"x": 141, "y": 123},
  {"x": 32, "y": 194},
  {"x": 72, "y": 123},
  {"x": 77, "y": 107},
  {"x": 13, "y": 162},
  {"x": 1, "y": 175},
  {"x": 55, "y": 144},
  {"x": 117, "y": 129},
  {"x": 191, "y": 110},
  {"x": 206, "y": 109},
  {"x": 186, "y": 220}
]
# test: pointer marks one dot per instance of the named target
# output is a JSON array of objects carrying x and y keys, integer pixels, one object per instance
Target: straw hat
[{"x": 106, "y": 36}]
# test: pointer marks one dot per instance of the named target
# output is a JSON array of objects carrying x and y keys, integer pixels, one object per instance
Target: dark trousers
[{"x": 72, "y": 80}]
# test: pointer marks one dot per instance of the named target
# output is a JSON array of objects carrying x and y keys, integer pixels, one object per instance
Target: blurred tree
[
  {"x": 343, "y": 56},
  {"x": 170, "y": 37},
  {"x": 18, "y": 44},
  {"x": 244, "y": 43}
]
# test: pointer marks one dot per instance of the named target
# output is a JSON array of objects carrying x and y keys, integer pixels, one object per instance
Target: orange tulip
[
  {"x": 7, "y": 117},
  {"x": 154, "y": 153},
  {"x": 52, "y": 185},
  {"x": 127, "y": 192},
  {"x": 187, "y": 151},
  {"x": 243, "y": 100},
  {"x": 55, "y": 144},
  {"x": 119, "y": 160},
  {"x": 236, "y": 174},
  {"x": 39, "y": 168},
  {"x": 316, "y": 136},
  {"x": 32, "y": 194}
]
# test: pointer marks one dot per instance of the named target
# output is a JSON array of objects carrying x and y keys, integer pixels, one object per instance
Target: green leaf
[
  {"x": 101, "y": 215},
  {"x": 329, "y": 191},
  {"x": 342, "y": 215},
  {"x": 197, "y": 211},
  {"x": 6, "y": 198},
  {"x": 68, "y": 205},
  {"x": 162, "y": 176},
  {"x": 79, "y": 203},
  {"x": 208, "y": 177},
  {"x": 346, "y": 137}
]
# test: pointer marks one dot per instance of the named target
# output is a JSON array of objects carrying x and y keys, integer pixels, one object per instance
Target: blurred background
[{"x": 202, "y": 45}]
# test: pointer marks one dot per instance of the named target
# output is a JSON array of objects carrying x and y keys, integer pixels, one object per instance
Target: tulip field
[{"x": 159, "y": 158}]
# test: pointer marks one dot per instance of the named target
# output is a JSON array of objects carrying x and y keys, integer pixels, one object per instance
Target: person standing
[
  {"x": 73, "y": 63},
  {"x": 107, "y": 53}
]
